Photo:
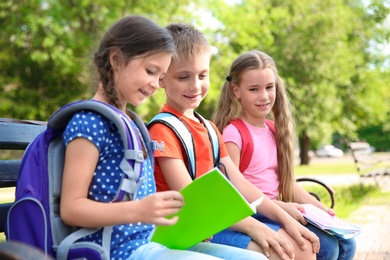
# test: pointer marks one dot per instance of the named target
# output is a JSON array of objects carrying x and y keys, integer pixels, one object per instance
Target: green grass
[
  {"x": 7, "y": 195},
  {"x": 350, "y": 198},
  {"x": 325, "y": 168}
]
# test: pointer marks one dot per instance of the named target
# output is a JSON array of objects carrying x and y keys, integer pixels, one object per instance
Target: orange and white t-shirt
[{"x": 174, "y": 149}]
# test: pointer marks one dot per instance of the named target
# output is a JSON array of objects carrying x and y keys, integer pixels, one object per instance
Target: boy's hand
[{"x": 155, "y": 208}]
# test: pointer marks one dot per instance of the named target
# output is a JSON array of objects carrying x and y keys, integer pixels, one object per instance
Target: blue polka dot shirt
[{"x": 104, "y": 135}]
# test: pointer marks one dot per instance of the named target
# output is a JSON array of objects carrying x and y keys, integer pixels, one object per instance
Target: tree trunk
[{"x": 304, "y": 143}]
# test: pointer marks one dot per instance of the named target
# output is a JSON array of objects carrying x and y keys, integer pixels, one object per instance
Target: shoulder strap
[
  {"x": 247, "y": 144},
  {"x": 213, "y": 136},
  {"x": 184, "y": 134},
  {"x": 131, "y": 164},
  {"x": 271, "y": 126},
  {"x": 149, "y": 144},
  {"x": 133, "y": 151}
]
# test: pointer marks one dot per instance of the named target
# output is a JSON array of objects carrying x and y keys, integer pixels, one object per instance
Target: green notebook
[{"x": 212, "y": 204}]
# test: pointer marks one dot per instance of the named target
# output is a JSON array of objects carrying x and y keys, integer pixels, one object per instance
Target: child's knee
[{"x": 307, "y": 253}]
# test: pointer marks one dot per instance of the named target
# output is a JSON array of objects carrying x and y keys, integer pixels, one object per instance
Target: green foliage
[
  {"x": 46, "y": 49},
  {"x": 377, "y": 136},
  {"x": 324, "y": 53},
  {"x": 327, "y": 51}
]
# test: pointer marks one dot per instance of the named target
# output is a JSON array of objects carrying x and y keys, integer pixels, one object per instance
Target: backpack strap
[
  {"x": 131, "y": 164},
  {"x": 247, "y": 144},
  {"x": 271, "y": 126},
  {"x": 149, "y": 144},
  {"x": 185, "y": 136},
  {"x": 133, "y": 151},
  {"x": 213, "y": 138}
]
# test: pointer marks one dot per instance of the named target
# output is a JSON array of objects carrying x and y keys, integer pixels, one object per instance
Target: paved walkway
[{"x": 374, "y": 241}]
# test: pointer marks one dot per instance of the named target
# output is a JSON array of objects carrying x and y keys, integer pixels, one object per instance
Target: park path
[{"x": 373, "y": 243}]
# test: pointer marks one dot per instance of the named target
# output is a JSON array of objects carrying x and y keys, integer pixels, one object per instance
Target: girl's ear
[
  {"x": 162, "y": 83},
  {"x": 115, "y": 58},
  {"x": 236, "y": 91}
]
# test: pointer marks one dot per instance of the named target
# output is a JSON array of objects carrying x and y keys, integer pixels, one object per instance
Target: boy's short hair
[{"x": 189, "y": 42}]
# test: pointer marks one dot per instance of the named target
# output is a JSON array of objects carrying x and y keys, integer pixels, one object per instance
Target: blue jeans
[
  {"x": 207, "y": 251},
  {"x": 333, "y": 247}
]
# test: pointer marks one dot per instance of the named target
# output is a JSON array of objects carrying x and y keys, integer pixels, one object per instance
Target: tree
[
  {"x": 321, "y": 49},
  {"x": 46, "y": 48},
  {"x": 325, "y": 51}
]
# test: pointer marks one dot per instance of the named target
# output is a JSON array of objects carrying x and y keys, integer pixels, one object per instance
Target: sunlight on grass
[{"x": 6, "y": 195}]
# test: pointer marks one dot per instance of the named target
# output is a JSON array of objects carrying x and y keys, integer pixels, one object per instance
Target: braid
[
  {"x": 110, "y": 90},
  {"x": 104, "y": 67}
]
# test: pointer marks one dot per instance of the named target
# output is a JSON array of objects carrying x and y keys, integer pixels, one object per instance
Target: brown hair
[
  {"x": 134, "y": 36},
  {"x": 189, "y": 42},
  {"x": 229, "y": 108}
]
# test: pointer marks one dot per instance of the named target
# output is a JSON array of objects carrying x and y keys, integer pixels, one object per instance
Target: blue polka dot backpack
[{"x": 34, "y": 217}]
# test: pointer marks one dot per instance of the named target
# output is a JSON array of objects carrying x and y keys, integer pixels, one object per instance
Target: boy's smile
[{"x": 187, "y": 82}]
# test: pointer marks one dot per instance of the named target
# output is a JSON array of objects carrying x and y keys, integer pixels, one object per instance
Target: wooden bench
[
  {"x": 367, "y": 165},
  {"x": 14, "y": 135},
  {"x": 327, "y": 189},
  {"x": 17, "y": 134}
]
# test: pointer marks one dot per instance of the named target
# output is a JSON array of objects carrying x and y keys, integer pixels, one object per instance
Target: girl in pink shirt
[
  {"x": 253, "y": 91},
  {"x": 267, "y": 181}
]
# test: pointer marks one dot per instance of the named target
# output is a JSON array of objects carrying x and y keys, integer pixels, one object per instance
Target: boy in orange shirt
[{"x": 186, "y": 84}]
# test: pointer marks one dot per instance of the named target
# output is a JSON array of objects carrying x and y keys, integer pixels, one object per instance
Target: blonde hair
[
  {"x": 189, "y": 42},
  {"x": 229, "y": 108}
]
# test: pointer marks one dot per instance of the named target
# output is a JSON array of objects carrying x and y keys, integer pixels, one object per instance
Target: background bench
[{"x": 367, "y": 165}]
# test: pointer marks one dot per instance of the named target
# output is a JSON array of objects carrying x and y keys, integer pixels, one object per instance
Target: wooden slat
[
  {"x": 9, "y": 170},
  {"x": 16, "y": 136},
  {"x": 4, "y": 208}
]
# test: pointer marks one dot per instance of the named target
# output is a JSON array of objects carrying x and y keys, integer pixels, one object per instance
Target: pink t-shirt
[{"x": 262, "y": 169}]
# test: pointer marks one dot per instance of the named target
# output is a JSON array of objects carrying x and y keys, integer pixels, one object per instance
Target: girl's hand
[
  {"x": 330, "y": 212},
  {"x": 295, "y": 210},
  {"x": 155, "y": 208},
  {"x": 267, "y": 238},
  {"x": 298, "y": 232}
]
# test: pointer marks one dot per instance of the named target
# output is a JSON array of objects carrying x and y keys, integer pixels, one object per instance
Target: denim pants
[
  {"x": 206, "y": 251},
  {"x": 333, "y": 247}
]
